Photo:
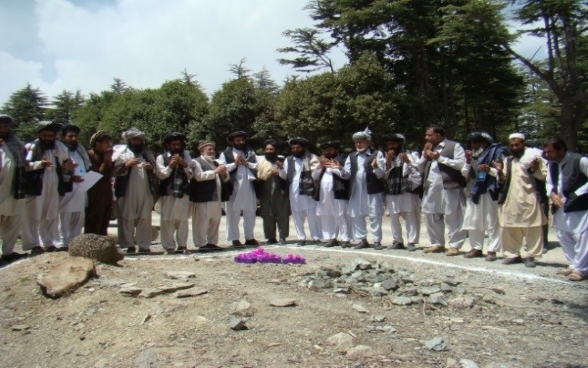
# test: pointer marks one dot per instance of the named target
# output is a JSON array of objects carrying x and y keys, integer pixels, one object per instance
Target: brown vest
[{"x": 452, "y": 179}]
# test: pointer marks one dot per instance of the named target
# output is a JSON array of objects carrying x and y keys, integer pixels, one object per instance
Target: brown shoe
[
  {"x": 512, "y": 260},
  {"x": 452, "y": 252},
  {"x": 491, "y": 256},
  {"x": 474, "y": 253},
  {"x": 37, "y": 250},
  {"x": 251, "y": 242},
  {"x": 435, "y": 249},
  {"x": 564, "y": 271}
]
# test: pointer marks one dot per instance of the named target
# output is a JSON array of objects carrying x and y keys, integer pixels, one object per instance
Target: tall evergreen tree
[{"x": 27, "y": 107}]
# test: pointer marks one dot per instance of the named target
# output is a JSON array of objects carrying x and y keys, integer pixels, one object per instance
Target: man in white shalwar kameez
[
  {"x": 297, "y": 171},
  {"x": 48, "y": 160},
  {"x": 72, "y": 207},
  {"x": 206, "y": 197},
  {"x": 521, "y": 213},
  {"x": 567, "y": 183},
  {"x": 402, "y": 199},
  {"x": 241, "y": 163},
  {"x": 134, "y": 167},
  {"x": 174, "y": 174},
  {"x": 443, "y": 199},
  {"x": 332, "y": 196},
  {"x": 364, "y": 169},
  {"x": 481, "y": 214},
  {"x": 12, "y": 163}
]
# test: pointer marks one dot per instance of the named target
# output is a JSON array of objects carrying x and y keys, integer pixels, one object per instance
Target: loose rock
[
  {"x": 19, "y": 327},
  {"x": 401, "y": 300},
  {"x": 360, "y": 351},
  {"x": 244, "y": 309},
  {"x": 150, "y": 292},
  {"x": 237, "y": 324},
  {"x": 179, "y": 275},
  {"x": 130, "y": 291},
  {"x": 342, "y": 341},
  {"x": 436, "y": 344},
  {"x": 146, "y": 359},
  {"x": 466, "y": 301},
  {"x": 175, "y": 287},
  {"x": 66, "y": 276},
  {"x": 191, "y": 293},
  {"x": 467, "y": 363},
  {"x": 283, "y": 303},
  {"x": 360, "y": 308}
]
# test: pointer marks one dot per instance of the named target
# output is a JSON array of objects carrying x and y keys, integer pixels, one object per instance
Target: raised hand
[
  {"x": 45, "y": 162},
  {"x": 132, "y": 162},
  {"x": 468, "y": 156}
]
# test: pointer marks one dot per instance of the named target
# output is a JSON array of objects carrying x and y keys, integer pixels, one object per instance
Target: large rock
[
  {"x": 341, "y": 341},
  {"x": 100, "y": 248},
  {"x": 65, "y": 277}
]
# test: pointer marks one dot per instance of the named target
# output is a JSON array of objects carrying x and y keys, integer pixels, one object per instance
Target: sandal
[
  {"x": 575, "y": 276},
  {"x": 564, "y": 271}
]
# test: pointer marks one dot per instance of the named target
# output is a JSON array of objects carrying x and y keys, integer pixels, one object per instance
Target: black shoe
[
  {"x": 362, "y": 244},
  {"x": 251, "y": 242},
  {"x": 377, "y": 246},
  {"x": 530, "y": 262},
  {"x": 12, "y": 257},
  {"x": 51, "y": 248},
  {"x": 513, "y": 260},
  {"x": 397, "y": 245},
  {"x": 282, "y": 241},
  {"x": 410, "y": 247},
  {"x": 317, "y": 242},
  {"x": 332, "y": 243},
  {"x": 63, "y": 249},
  {"x": 131, "y": 250},
  {"x": 37, "y": 250},
  {"x": 237, "y": 244},
  {"x": 346, "y": 244},
  {"x": 272, "y": 241},
  {"x": 301, "y": 243}
]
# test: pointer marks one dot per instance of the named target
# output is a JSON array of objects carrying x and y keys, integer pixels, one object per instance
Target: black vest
[
  {"x": 452, "y": 179},
  {"x": 572, "y": 179},
  {"x": 204, "y": 191},
  {"x": 340, "y": 186},
  {"x": 374, "y": 184},
  {"x": 166, "y": 186},
  {"x": 230, "y": 158},
  {"x": 306, "y": 184},
  {"x": 34, "y": 179}
]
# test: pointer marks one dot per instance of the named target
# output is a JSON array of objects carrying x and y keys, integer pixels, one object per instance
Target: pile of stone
[{"x": 380, "y": 280}]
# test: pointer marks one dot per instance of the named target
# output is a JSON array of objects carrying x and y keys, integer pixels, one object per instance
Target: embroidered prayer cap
[
  {"x": 174, "y": 136},
  {"x": 272, "y": 142},
  {"x": 298, "y": 140},
  {"x": 47, "y": 125},
  {"x": 133, "y": 133},
  {"x": 520, "y": 136},
  {"x": 98, "y": 137},
  {"x": 236, "y": 134},
  {"x": 365, "y": 134},
  {"x": 394, "y": 137},
  {"x": 5, "y": 118},
  {"x": 331, "y": 144},
  {"x": 203, "y": 144}
]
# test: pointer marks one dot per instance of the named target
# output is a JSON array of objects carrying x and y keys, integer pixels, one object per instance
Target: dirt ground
[{"x": 521, "y": 317}]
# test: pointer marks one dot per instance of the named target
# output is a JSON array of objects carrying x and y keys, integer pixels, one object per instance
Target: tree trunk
[{"x": 573, "y": 114}]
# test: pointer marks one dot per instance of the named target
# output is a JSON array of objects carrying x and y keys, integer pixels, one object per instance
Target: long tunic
[
  {"x": 327, "y": 204},
  {"x": 522, "y": 208},
  {"x": 76, "y": 200},
  {"x": 272, "y": 201},
  {"x": 361, "y": 203},
  {"x": 299, "y": 202},
  {"x": 211, "y": 209},
  {"x": 138, "y": 200},
  {"x": 407, "y": 201},
  {"x": 476, "y": 215},
  {"x": 100, "y": 196},
  {"x": 173, "y": 208},
  {"x": 243, "y": 198},
  {"x": 8, "y": 205}
]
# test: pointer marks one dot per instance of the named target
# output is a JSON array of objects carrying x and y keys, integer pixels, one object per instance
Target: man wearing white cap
[
  {"x": 520, "y": 214},
  {"x": 364, "y": 169},
  {"x": 443, "y": 199},
  {"x": 134, "y": 188}
]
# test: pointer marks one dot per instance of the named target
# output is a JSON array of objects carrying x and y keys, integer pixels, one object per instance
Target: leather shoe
[
  {"x": 237, "y": 244},
  {"x": 435, "y": 249},
  {"x": 491, "y": 256},
  {"x": 272, "y": 241},
  {"x": 377, "y": 246},
  {"x": 512, "y": 260},
  {"x": 131, "y": 250},
  {"x": 530, "y": 262},
  {"x": 474, "y": 253},
  {"x": 397, "y": 245},
  {"x": 332, "y": 243},
  {"x": 346, "y": 244},
  {"x": 362, "y": 244},
  {"x": 282, "y": 241},
  {"x": 452, "y": 252},
  {"x": 411, "y": 247},
  {"x": 301, "y": 243},
  {"x": 251, "y": 242}
]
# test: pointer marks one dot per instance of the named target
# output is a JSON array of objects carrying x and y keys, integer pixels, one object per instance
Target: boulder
[
  {"x": 97, "y": 247},
  {"x": 66, "y": 276}
]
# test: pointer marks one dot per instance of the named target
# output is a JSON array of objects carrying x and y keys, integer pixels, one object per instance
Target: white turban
[
  {"x": 366, "y": 134},
  {"x": 133, "y": 133},
  {"x": 520, "y": 136}
]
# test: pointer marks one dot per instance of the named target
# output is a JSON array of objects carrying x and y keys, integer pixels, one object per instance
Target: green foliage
[
  {"x": 311, "y": 49},
  {"x": 64, "y": 105},
  {"x": 27, "y": 107}
]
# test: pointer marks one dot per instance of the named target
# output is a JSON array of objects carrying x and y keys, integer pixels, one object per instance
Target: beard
[
  {"x": 72, "y": 146},
  {"x": 271, "y": 156},
  {"x": 241, "y": 147},
  {"x": 361, "y": 150},
  {"x": 208, "y": 158},
  {"x": 136, "y": 148},
  {"x": 298, "y": 154},
  {"x": 46, "y": 145},
  {"x": 477, "y": 153},
  {"x": 175, "y": 152},
  {"x": 4, "y": 135},
  {"x": 330, "y": 156},
  {"x": 517, "y": 154}
]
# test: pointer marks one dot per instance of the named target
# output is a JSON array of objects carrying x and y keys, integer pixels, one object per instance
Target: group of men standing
[{"x": 486, "y": 189}]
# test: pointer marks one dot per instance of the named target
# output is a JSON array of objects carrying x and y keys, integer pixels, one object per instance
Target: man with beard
[
  {"x": 274, "y": 205},
  {"x": 241, "y": 164},
  {"x": 443, "y": 199},
  {"x": 402, "y": 198},
  {"x": 174, "y": 175},
  {"x": 520, "y": 214},
  {"x": 481, "y": 214},
  {"x": 48, "y": 160},
  {"x": 332, "y": 196},
  {"x": 364, "y": 169},
  {"x": 12, "y": 164},
  {"x": 72, "y": 207},
  {"x": 567, "y": 183},
  {"x": 99, "y": 211},
  {"x": 134, "y": 188},
  {"x": 206, "y": 197},
  {"x": 297, "y": 171}
]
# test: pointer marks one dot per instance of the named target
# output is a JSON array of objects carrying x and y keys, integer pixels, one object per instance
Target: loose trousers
[
  {"x": 333, "y": 226},
  {"x": 9, "y": 230},
  {"x": 270, "y": 223},
  {"x": 412, "y": 223},
  {"x": 131, "y": 232},
  {"x": 436, "y": 223},
  {"x": 511, "y": 239},
  {"x": 71, "y": 225},
  {"x": 205, "y": 223},
  {"x": 360, "y": 229},
  {"x": 313, "y": 223},
  {"x": 171, "y": 227},
  {"x": 233, "y": 218},
  {"x": 572, "y": 232}
]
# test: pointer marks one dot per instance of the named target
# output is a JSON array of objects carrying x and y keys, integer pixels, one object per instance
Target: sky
[{"x": 58, "y": 45}]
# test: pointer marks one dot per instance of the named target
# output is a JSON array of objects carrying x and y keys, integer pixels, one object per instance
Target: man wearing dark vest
[
  {"x": 206, "y": 197},
  {"x": 520, "y": 211},
  {"x": 364, "y": 169},
  {"x": 174, "y": 173},
  {"x": 48, "y": 160},
  {"x": 443, "y": 199},
  {"x": 297, "y": 171},
  {"x": 274, "y": 206},
  {"x": 241, "y": 164},
  {"x": 332, "y": 196},
  {"x": 567, "y": 183},
  {"x": 402, "y": 198}
]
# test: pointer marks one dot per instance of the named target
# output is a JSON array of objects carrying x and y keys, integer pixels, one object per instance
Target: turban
[
  {"x": 271, "y": 142},
  {"x": 98, "y": 137},
  {"x": 520, "y": 136},
  {"x": 331, "y": 144},
  {"x": 175, "y": 136},
  {"x": 298, "y": 140},
  {"x": 70, "y": 128},
  {"x": 4, "y": 118},
  {"x": 47, "y": 125},
  {"x": 133, "y": 133},
  {"x": 236, "y": 134},
  {"x": 479, "y": 137},
  {"x": 394, "y": 137},
  {"x": 365, "y": 134},
  {"x": 203, "y": 144}
]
